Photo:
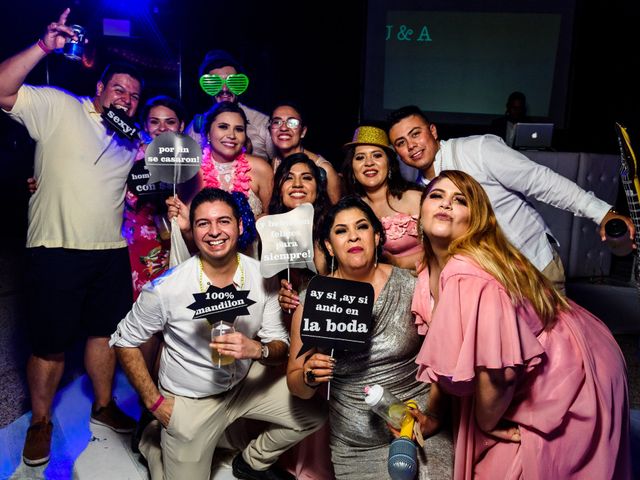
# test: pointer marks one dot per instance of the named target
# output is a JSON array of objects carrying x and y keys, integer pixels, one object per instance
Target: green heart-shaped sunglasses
[{"x": 237, "y": 83}]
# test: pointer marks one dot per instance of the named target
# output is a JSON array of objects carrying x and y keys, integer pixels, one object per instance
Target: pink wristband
[
  {"x": 44, "y": 47},
  {"x": 155, "y": 406}
]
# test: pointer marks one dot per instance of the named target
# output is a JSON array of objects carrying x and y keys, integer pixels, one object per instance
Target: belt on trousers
[{"x": 214, "y": 395}]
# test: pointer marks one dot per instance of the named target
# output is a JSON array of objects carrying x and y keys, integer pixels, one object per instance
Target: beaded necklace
[
  {"x": 241, "y": 168},
  {"x": 201, "y": 273}
]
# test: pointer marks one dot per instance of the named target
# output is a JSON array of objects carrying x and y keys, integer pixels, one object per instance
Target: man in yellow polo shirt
[{"x": 78, "y": 272}]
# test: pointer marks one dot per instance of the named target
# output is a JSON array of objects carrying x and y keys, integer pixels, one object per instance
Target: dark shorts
[{"x": 75, "y": 293}]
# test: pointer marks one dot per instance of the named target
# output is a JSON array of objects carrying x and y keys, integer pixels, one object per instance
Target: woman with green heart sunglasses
[{"x": 287, "y": 128}]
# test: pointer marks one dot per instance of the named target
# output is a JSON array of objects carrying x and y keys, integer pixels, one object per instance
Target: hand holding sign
[
  {"x": 287, "y": 240},
  {"x": 337, "y": 315}
]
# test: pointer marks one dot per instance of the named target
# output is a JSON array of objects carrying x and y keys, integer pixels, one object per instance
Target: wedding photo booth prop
[
  {"x": 287, "y": 241},
  {"x": 221, "y": 304},
  {"x": 337, "y": 315},
  {"x": 171, "y": 158}
]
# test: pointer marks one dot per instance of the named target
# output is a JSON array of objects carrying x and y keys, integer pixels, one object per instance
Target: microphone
[{"x": 403, "y": 454}]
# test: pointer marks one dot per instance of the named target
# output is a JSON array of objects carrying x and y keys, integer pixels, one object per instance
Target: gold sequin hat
[{"x": 369, "y": 135}]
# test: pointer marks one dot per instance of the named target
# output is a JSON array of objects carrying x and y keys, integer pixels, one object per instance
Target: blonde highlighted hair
[{"x": 485, "y": 243}]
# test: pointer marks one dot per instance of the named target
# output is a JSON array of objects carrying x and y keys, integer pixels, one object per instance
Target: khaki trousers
[
  {"x": 197, "y": 425},
  {"x": 554, "y": 271}
]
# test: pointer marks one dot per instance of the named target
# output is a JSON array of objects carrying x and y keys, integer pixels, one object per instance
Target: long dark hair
[
  {"x": 345, "y": 203},
  {"x": 396, "y": 183},
  {"x": 163, "y": 101},
  {"x": 322, "y": 198}
]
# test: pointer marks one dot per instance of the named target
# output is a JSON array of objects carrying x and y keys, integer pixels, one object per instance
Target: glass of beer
[{"x": 218, "y": 329}]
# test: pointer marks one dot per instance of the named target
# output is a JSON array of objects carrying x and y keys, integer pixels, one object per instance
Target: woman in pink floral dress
[{"x": 145, "y": 210}]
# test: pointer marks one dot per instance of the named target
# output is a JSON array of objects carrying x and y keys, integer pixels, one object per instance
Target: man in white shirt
[
  {"x": 197, "y": 399},
  {"x": 507, "y": 176},
  {"x": 78, "y": 272}
]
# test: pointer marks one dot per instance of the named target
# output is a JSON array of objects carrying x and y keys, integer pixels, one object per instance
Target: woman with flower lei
[{"x": 226, "y": 165}]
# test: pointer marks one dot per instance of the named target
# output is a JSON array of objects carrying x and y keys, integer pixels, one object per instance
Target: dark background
[{"x": 314, "y": 57}]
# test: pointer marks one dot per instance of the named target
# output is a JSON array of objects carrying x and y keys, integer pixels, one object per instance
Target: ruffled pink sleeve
[
  {"x": 422, "y": 303},
  {"x": 475, "y": 324}
]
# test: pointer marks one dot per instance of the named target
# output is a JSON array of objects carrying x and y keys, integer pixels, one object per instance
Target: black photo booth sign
[
  {"x": 138, "y": 182},
  {"x": 221, "y": 304},
  {"x": 337, "y": 315},
  {"x": 172, "y": 158},
  {"x": 121, "y": 123}
]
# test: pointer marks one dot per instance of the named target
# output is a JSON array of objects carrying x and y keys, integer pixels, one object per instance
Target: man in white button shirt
[
  {"x": 507, "y": 176},
  {"x": 195, "y": 401}
]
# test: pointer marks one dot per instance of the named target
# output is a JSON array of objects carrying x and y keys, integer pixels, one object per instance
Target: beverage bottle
[
  {"x": 386, "y": 404},
  {"x": 617, "y": 235}
]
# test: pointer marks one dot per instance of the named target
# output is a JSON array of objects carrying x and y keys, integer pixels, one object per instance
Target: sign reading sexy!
[
  {"x": 337, "y": 314},
  {"x": 287, "y": 240}
]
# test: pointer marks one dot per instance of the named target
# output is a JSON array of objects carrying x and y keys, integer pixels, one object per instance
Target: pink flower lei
[{"x": 241, "y": 179}]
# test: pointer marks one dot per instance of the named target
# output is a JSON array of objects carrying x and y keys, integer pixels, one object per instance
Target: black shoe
[
  {"x": 112, "y": 417},
  {"x": 146, "y": 417},
  {"x": 241, "y": 469}
]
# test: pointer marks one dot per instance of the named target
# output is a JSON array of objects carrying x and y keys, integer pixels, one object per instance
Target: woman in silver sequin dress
[{"x": 352, "y": 237}]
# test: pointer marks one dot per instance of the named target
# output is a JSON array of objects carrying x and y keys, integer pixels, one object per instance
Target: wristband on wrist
[
  {"x": 44, "y": 47},
  {"x": 156, "y": 405}
]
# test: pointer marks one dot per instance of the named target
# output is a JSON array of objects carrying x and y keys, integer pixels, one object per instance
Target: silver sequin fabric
[{"x": 359, "y": 438}]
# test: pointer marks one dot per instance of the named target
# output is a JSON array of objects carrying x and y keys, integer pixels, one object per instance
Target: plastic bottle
[
  {"x": 385, "y": 404},
  {"x": 617, "y": 235}
]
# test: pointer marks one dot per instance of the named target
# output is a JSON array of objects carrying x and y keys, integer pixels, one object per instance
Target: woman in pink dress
[{"x": 539, "y": 384}]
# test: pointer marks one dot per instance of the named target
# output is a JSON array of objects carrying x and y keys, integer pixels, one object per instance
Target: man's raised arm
[{"x": 14, "y": 70}]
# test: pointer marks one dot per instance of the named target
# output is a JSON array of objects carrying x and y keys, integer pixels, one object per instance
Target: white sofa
[{"x": 586, "y": 259}]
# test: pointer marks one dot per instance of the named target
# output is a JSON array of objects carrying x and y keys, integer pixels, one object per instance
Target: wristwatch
[{"x": 264, "y": 351}]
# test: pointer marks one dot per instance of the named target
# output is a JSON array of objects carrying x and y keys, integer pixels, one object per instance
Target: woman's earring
[
  {"x": 332, "y": 259},
  {"x": 376, "y": 264}
]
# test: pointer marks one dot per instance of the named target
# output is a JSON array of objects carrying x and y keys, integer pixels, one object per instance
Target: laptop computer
[{"x": 533, "y": 136}]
